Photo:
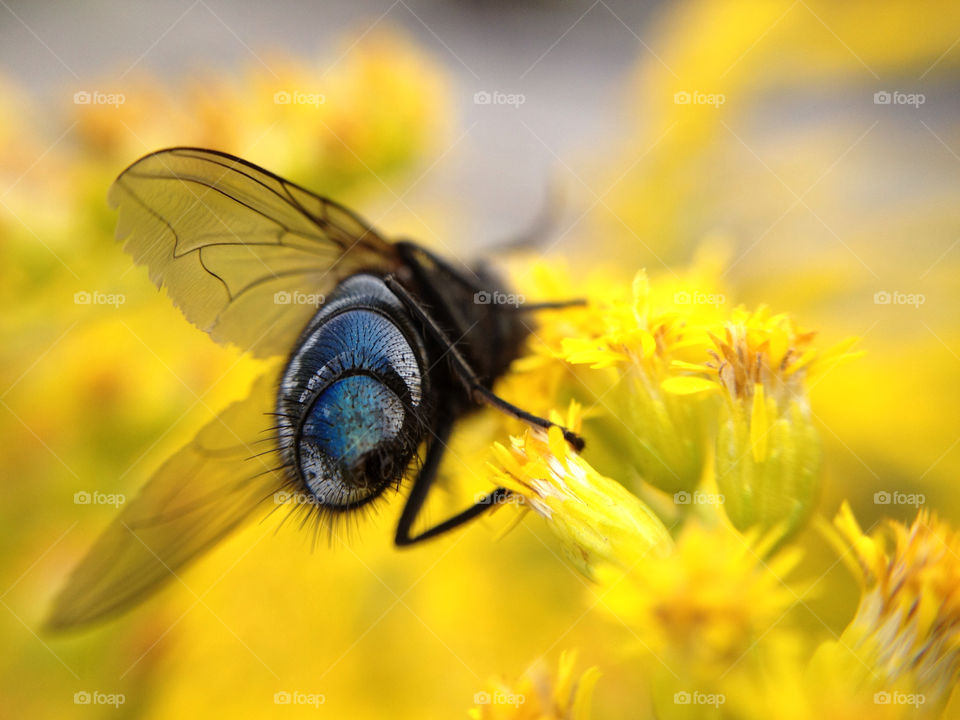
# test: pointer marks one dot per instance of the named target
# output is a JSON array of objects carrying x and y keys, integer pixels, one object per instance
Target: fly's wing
[
  {"x": 246, "y": 255},
  {"x": 196, "y": 498}
]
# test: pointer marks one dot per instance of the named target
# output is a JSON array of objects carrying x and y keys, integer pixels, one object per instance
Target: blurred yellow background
[{"x": 812, "y": 147}]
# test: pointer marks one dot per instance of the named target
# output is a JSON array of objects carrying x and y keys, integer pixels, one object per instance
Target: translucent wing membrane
[
  {"x": 196, "y": 498},
  {"x": 246, "y": 255}
]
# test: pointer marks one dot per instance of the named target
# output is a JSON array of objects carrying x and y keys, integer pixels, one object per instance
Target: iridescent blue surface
[
  {"x": 355, "y": 379},
  {"x": 352, "y": 417}
]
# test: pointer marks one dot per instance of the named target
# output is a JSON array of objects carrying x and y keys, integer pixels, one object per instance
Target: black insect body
[{"x": 386, "y": 347}]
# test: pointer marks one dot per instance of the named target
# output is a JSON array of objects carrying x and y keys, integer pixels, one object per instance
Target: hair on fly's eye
[
  {"x": 320, "y": 515},
  {"x": 338, "y": 524}
]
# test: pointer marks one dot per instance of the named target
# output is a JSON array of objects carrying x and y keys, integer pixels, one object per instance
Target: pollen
[
  {"x": 597, "y": 520},
  {"x": 757, "y": 350}
]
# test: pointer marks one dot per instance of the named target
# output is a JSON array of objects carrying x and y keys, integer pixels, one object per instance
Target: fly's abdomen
[{"x": 351, "y": 401}]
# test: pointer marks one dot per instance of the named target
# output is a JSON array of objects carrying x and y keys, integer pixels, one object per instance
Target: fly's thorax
[
  {"x": 353, "y": 402},
  {"x": 475, "y": 309}
]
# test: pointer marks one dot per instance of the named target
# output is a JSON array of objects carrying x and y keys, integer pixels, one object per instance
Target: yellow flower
[
  {"x": 597, "y": 519},
  {"x": 768, "y": 452},
  {"x": 706, "y": 603},
  {"x": 613, "y": 356},
  {"x": 651, "y": 365},
  {"x": 705, "y": 614},
  {"x": 537, "y": 696},
  {"x": 769, "y": 353},
  {"x": 903, "y": 645}
]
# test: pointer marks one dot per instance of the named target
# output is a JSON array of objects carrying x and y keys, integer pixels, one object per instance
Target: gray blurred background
[{"x": 571, "y": 61}]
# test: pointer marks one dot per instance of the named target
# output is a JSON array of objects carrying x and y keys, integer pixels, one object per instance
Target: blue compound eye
[
  {"x": 348, "y": 440},
  {"x": 351, "y": 401},
  {"x": 352, "y": 417}
]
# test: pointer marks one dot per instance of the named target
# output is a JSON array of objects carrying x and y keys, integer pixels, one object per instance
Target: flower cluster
[
  {"x": 693, "y": 548},
  {"x": 707, "y": 581}
]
